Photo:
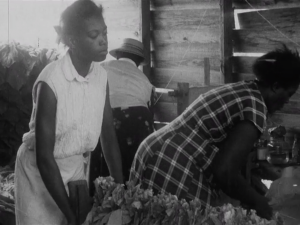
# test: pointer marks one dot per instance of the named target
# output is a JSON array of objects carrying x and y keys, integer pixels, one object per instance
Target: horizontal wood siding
[
  {"x": 284, "y": 19},
  {"x": 183, "y": 19},
  {"x": 183, "y": 34},
  {"x": 195, "y": 77},
  {"x": 183, "y": 4},
  {"x": 262, "y": 40},
  {"x": 265, "y": 4},
  {"x": 242, "y": 64}
]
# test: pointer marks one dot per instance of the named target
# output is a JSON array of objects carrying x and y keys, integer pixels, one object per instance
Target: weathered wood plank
[
  {"x": 227, "y": 21},
  {"x": 182, "y": 51},
  {"x": 163, "y": 4},
  {"x": 165, "y": 112},
  {"x": 120, "y": 15},
  {"x": 191, "y": 19},
  {"x": 265, "y": 4},
  {"x": 185, "y": 47},
  {"x": 183, "y": 98},
  {"x": 165, "y": 97},
  {"x": 284, "y": 19},
  {"x": 161, "y": 77},
  {"x": 145, "y": 34},
  {"x": 206, "y": 71},
  {"x": 204, "y": 35},
  {"x": 263, "y": 40},
  {"x": 187, "y": 63},
  {"x": 242, "y": 64}
]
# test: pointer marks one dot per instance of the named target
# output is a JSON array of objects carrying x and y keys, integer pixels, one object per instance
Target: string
[
  {"x": 183, "y": 54},
  {"x": 284, "y": 35}
]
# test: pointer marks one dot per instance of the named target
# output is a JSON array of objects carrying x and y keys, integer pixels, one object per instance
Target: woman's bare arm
[{"x": 45, "y": 140}]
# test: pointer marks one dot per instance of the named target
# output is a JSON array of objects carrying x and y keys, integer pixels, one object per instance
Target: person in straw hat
[{"x": 130, "y": 97}]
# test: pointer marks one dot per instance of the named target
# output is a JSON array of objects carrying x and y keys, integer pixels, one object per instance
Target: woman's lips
[{"x": 104, "y": 52}]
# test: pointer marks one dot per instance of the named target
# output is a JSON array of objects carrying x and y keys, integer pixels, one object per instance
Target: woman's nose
[{"x": 103, "y": 40}]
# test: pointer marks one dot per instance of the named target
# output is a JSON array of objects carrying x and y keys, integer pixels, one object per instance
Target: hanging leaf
[
  {"x": 16, "y": 75},
  {"x": 2, "y": 125},
  {"x": 28, "y": 56},
  {"x": 2, "y": 74},
  {"x": 3, "y": 106},
  {"x": 115, "y": 218},
  {"x": 8, "y": 54},
  {"x": 11, "y": 115},
  {"x": 10, "y": 95}
]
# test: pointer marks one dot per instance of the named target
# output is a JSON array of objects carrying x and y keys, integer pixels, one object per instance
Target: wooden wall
[
  {"x": 122, "y": 20},
  {"x": 256, "y": 35},
  {"x": 183, "y": 33}
]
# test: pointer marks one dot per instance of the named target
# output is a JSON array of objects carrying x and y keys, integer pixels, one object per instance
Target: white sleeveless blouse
[{"x": 80, "y": 106}]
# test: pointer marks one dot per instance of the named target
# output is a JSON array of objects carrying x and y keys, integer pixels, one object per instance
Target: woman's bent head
[{"x": 278, "y": 73}]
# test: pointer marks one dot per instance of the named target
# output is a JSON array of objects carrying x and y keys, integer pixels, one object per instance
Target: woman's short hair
[
  {"x": 71, "y": 20},
  {"x": 281, "y": 66}
]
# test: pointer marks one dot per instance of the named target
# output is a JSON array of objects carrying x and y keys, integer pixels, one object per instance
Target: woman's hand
[{"x": 263, "y": 208}]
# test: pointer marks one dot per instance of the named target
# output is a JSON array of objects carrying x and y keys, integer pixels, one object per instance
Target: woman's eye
[{"x": 93, "y": 35}]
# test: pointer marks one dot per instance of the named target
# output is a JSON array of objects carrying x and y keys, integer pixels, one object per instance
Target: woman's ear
[{"x": 72, "y": 42}]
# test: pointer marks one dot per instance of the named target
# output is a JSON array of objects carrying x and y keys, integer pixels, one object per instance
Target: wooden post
[
  {"x": 206, "y": 72},
  {"x": 183, "y": 97},
  {"x": 227, "y": 21},
  {"x": 145, "y": 33}
]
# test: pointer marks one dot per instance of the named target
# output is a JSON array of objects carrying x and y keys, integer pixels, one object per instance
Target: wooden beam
[
  {"x": 189, "y": 19},
  {"x": 286, "y": 19},
  {"x": 195, "y": 76},
  {"x": 183, "y": 97},
  {"x": 242, "y": 64},
  {"x": 162, "y": 4},
  {"x": 227, "y": 22},
  {"x": 263, "y": 40},
  {"x": 265, "y": 4},
  {"x": 206, "y": 71},
  {"x": 145, "y": 33}
]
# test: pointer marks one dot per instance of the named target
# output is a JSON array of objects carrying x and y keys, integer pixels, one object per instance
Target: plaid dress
[{"x": 176, "y": 159}]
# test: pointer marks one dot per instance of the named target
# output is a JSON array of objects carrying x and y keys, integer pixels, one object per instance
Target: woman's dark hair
[
  {"x": 281, "y": 65},
  {"x": 71, "y": 20}
]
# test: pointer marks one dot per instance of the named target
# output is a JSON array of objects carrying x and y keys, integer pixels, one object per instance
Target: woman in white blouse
[{"x": 71, "y": 110}]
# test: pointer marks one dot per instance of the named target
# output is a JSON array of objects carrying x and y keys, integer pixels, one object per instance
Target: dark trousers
[{"x": 132, "y": 126}]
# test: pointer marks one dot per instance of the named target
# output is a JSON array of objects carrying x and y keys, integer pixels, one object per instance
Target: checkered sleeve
[{"x": 255, "y": 111}]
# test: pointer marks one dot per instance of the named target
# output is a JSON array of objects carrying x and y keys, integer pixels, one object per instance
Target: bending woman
[
  {"x": 71, "y": 110},
  {"x": 208, "y": 144}
]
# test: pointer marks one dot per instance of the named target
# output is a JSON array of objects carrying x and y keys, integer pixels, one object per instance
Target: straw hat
[{"x": 132, "y": 46}]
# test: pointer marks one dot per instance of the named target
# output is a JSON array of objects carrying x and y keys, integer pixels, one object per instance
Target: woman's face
[
  {"x": 280, "y": 96},
  {"x": 91, "y": 43}
]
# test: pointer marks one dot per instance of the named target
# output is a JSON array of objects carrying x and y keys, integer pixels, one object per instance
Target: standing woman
[{"x": 71, "y": 110}]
